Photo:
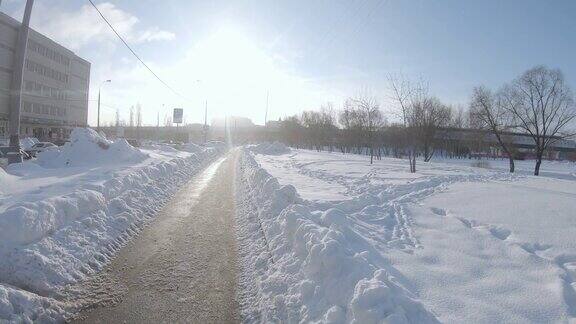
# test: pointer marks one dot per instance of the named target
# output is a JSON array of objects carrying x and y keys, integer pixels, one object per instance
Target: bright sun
[{"x": 235, "y": 73}]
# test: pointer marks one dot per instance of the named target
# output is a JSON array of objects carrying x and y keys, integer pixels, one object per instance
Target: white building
[{"x": 55, "y": 89}]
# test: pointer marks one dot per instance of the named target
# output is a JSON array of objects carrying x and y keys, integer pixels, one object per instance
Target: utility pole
[
  {"x": 14, "y": 155},
  {"x": 98, "y": 118},
  {"x": 205, "y": 121},
  {"x": 138, "y": 120},
  {"x": 266, "y": 115},
  {"x": 225, "y": 128},
  {"x": 117, "y": 123}
]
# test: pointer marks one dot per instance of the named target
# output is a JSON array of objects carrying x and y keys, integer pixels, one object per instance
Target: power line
[{"x": 134, "y": 53}]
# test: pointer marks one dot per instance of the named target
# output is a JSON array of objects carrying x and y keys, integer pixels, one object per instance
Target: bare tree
[
  {"x": 488, "y": 113},
  {"x": 320, "y": 126},
  {"x": 425, "y": 116},
  {"x": 543, "y": 106},
  {"x": 403, "y": 93},
  {"x": 291, "y": 130},
  {"x": 369, "y": 118},
  {"x": 328, "y": 124},
  {"x": 131, "y": 116},
  {"x": 422, "y": 115},
  {"x": 349, "y": 119},
  {"x": 459, "y": 119}
]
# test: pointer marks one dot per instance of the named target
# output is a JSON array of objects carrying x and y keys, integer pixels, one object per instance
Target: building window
[
  {"x": 46, "y": 71},
  {"x": 27, "y": 106},
  {"x": 36, "y": 108},
  {"x": 48, "y": 52},
  {"x": 37, "y": 89}
]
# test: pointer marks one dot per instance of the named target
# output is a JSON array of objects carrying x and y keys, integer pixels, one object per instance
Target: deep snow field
[
  {"x": 65, "y": 214},
  {"x": 341, "y": 240}
]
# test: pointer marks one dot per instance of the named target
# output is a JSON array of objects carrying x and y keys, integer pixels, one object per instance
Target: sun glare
[{"x": 236, "y": 73}]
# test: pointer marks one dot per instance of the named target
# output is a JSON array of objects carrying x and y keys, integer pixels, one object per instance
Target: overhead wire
[{"x": 134, "y": 53}]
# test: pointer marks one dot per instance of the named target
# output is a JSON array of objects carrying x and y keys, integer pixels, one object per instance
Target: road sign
[{"x": 177, "y": 116}]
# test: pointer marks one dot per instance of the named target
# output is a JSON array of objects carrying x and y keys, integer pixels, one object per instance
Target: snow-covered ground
[
  {"x": 65, "y": 214},
  {"x": 341, "y": 240}
]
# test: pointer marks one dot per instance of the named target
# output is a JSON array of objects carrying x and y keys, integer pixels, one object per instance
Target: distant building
[
  {"x": 232, "y": 122},
  {"x": 185, "y": 133},
  {"x": 55, "y": 89},
  {"x": 274, "y": 123},
  {"x": 558, "y": 149}
]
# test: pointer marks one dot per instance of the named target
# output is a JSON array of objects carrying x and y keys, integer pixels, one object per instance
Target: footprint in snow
[
  {"x": 464, "y": 221},
  {"x": 438, "y": 211},
  {"x": 500, "y": 232},
  {"x": 535, "y": 247}
]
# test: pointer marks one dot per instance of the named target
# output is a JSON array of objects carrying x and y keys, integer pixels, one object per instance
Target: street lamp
[
  {"x": 99, "y": 88},
  {"x": 205, "y": 128}
]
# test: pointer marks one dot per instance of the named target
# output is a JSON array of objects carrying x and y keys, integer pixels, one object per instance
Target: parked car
[
  {"x": 3, "y": 160},
  {"x": 40, "y": 147},
  {"x": 4, "y": 154}
]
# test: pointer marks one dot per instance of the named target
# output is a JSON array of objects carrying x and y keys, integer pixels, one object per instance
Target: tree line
[{"x": 538, "y": 104}]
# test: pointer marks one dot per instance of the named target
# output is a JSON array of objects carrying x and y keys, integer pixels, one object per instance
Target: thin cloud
[{"x": 76, "y": 29}]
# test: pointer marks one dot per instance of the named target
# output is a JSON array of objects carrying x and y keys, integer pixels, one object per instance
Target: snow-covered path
[{"x": 181, "y": 268}]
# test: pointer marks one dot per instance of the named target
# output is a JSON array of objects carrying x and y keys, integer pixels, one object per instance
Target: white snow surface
[
  {"x": 63, "y": 216},
  {"x": 451, "y": 243},
  {"x": 275, "y": 148},
  {"x": 301, "y": 264},
  {"x": 87, "y": 147},
  {"x": 191, "y": 147}
]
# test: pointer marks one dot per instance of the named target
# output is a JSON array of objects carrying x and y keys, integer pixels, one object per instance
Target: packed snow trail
[{"x": 181, "y": 268}]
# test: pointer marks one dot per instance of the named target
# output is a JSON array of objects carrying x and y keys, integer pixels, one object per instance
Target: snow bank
[
  {"x": 60, "y": 240},
  {"x": 4, "y": 179},
  {"x": 509, "y": 260},
  {"x": 4, "y": 176},
  {"x": 218, "y": 144},
  {"x": 19, "y": 306},
  {"x": 191, "y": 147},
  {"x": 87, "y": 147},
  {"x": 267, "y": 148},
  {"x": 160, "y": 147},
  {"x": 306, "y": 265}
]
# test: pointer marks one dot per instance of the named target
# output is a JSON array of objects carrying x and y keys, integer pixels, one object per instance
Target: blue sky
[{"x": 303, "y": 52}]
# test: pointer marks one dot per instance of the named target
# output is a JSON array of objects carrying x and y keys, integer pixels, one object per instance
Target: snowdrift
[
  {"x": 87, "y": 147},
  {"x": 18, "y": 306},
  {"x": 4, "y": 179},
  {"x": 191, "y": 147},
  {"x": 160, "y": 147},
  {"x": 306, "y": 265},
  {"x": 57, "y": 241},
  {"x": 267, "y": 148}
]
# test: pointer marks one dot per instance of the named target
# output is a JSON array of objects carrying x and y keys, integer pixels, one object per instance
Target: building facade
[{"x": 55, "y": 89}]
